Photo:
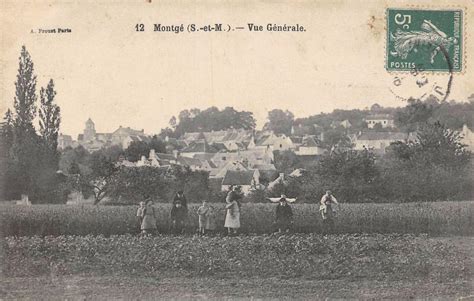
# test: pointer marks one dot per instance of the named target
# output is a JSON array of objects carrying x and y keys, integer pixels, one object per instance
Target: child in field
[
  {"x": 140, "y": 214},
  {"x": 202, "y": 213},
  {"x": 178, "y": 218},
  {"x": 211, "y": 223},
  {"x": 207, "y": 219},
  {"x": 149, "y": 218}
]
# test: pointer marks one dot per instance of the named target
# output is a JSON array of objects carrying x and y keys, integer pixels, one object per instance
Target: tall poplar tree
[
  {"x": 50, "y": 116},
  {"x": 24, "y": 149},
  {"x": 25, "y": 96}
]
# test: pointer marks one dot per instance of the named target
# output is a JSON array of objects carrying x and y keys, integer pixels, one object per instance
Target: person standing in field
[
  {"x": 211, "y": 224},
  {"x": 232, "y": 218},
  {"x": 139, "y": 215},
  {"x": 149, "y": 218},
  {"x": 178, "y": 218},
  {"x": 206, "y": 218},
  {"x": 180, "y": 198},
  {"x": 327, "y": 209},
  {"x": 283, "y": 215},
  {"x": 234, "y": 194}
]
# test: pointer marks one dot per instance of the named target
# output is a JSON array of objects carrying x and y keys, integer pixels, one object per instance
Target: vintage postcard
[{"x": 184, "y": 150}]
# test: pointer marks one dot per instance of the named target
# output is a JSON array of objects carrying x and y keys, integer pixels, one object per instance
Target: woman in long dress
[
  {"x": 149, "y": 218},
  {"x": 232, "y": 218}
]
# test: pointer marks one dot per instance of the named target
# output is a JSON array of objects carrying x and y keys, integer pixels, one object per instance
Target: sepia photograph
[{"x": 236, "y": 150}]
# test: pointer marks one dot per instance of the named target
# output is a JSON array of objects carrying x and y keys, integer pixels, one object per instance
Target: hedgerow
[{"x": 455, "y": 218}]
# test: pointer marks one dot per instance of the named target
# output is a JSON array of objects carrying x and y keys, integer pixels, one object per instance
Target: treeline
[
  {"x": 435, "y": 167},
  {"x": 114, "y": 184},
  {"x": 452, "y": 114},
  {"x": 28, "y": 153},
  {"x": 211, "y": 119},
  {"x": 98, "y": 176}
]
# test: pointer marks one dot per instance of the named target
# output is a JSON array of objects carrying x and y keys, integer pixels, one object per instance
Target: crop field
[
  {"x": 305, "y": 266},
  {"x": 401, "y": 251},
  {"x": 441, "y": 218}
]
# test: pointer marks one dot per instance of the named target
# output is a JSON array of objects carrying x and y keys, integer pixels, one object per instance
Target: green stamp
[{"x": 429, "y": 40}]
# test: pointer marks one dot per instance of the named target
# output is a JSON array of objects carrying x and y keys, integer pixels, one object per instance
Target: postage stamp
[{"x": 424, "y": 39}]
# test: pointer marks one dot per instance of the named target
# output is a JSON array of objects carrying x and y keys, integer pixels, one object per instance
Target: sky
[{"x": 107, "y": 71}]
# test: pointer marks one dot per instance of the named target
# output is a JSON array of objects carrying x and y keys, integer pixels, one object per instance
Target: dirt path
[{"x": 185, "y": 288}]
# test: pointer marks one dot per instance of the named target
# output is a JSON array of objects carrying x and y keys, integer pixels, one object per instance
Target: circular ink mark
[{"x": 419, "y": 84}]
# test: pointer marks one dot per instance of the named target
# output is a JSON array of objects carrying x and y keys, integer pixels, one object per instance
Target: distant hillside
[{"x": 452, "y": 114}]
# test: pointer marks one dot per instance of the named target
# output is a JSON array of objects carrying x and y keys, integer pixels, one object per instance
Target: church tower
[{"x": 89, "y": 131}]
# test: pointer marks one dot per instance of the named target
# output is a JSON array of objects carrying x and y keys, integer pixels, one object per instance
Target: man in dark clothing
[
  {"x": 178, "y": 218},
  {"x": 180, "y": 198},
  {"x": 284, "y": 215}
]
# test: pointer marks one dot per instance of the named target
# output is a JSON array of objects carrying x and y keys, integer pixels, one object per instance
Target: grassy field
[
  {"x": 307, "y": 266},
  {"x": 440, "y": 218}
]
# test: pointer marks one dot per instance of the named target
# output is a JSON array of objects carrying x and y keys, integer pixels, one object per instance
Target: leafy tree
[
  {"x": 49, "y": 121},
  {"x": 99, "y": 181},
  {"x": 351, "y": 175},
  {"x": 157, "y": 144},
  {"x": 286, "y": 161},
  {"x": 25, "y": 96},
  {"x": 414, "y": 114},
  {"x": 211, "y": 119},
  {"x": 167, "y": 132},
  {"x": 434, "y": 167},
  {"x": 74, "y": 169},
  {"x": 173, "y": 122},
  {"x": 112, "y": 152},
  {"x": 279, "y": 121},
  {"x": 132, "y": 184},
  {"x": 78, "y": 155},
  {"x": 136, "y": 149},
  {"x": 334, "y": 138},
  {"x": 6, "y": 169},
  {"x": 7, "y": 130},
  {"x": 23, "y": 152},
  {"x": 435, "y": 145},
  {"x": 50, "y": 117}
]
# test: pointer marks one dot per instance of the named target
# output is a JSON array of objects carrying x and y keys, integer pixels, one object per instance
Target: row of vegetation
[
  {"x": 311, "y": 257},
  {"x": 442, "y": 218},
  {"x": 452, "y": 114}
]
